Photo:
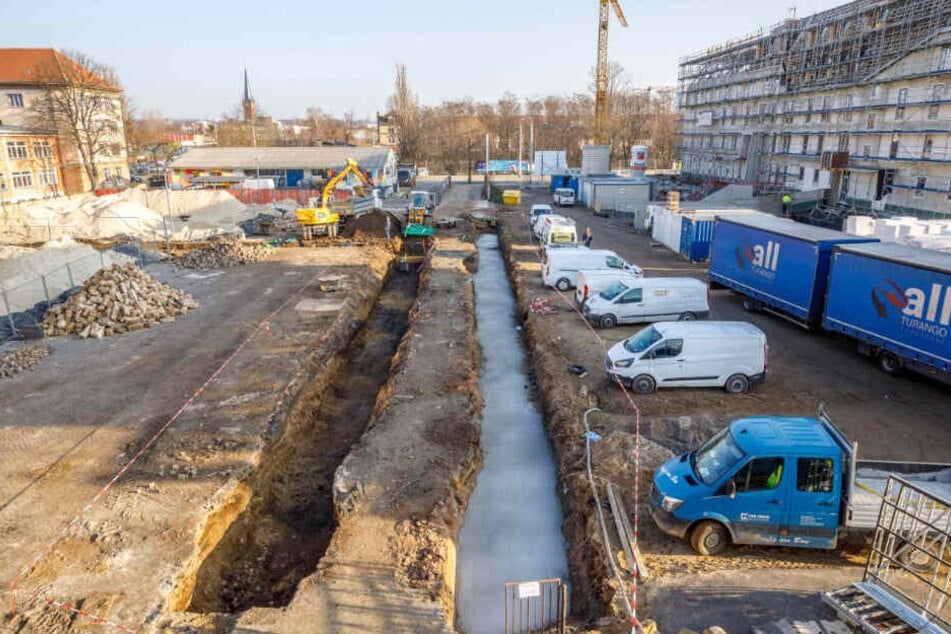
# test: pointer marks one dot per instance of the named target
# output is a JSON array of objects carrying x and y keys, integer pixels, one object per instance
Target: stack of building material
[
  {"x": 223, "y": 255},
  {"x": 117, "y": 299},
  {"x": 924, "y": 234},
  {"x": 25, "y": 358}
]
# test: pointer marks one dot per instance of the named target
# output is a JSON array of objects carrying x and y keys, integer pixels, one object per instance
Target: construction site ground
[{"x": 897, "y": 418}]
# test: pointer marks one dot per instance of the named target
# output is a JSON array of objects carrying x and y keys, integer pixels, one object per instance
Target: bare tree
[
  {"x": 405, "y": 107},
  {"x": 82, "y": 103}
]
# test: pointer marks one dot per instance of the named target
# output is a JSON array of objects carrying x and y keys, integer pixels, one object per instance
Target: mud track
[{"x": 287, "y": 526}]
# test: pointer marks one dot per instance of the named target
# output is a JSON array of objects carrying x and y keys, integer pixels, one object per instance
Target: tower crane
[{"x": 601, "y": 74}]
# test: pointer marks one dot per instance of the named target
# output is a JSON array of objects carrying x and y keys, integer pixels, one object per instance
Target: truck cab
[{"x": 769, "y": 480}]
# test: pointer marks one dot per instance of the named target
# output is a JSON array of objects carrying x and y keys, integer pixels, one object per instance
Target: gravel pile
[
  {"x": 117, "y": 299},
  {"x": 25, "y": 358},
  {"x": 223, "y": 255}
]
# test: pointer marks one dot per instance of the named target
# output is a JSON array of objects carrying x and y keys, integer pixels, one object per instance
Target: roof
[
  {"x": 707, "y": 328},
  {"x": 924, "y": 258},
  {"x": 18, "y": 130},
  {"x": 322, "y": 157},
  {"x": 791, "y": 228},
  {"x": 782, "y": 434},
  {"x": 29, "y": 66}
]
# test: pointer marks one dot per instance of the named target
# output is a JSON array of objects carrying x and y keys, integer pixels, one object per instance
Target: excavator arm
[{"x": 352, "y": 168}]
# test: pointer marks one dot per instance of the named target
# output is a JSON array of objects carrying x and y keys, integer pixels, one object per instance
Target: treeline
[{"x": 447, "y": 137}]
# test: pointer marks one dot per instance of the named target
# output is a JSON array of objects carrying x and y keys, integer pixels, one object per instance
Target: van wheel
[
  {"x": 749, "y": 304},
  {"x": 687, "y": 317},
  {"x": 563, "y": 284},
  {"x": 737, "y": 384},
  {"x": 889, "y": 363},
  {"x": 608, "y": 321},
  {"x": 709, "y": 538},
  {"x": 643, "y": 384}
]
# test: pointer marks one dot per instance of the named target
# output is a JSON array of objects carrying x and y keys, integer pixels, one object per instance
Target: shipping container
[
  {"x": 778, "y": 265},
  {"x": 595, "y": 159},
  {"x": 619, "y": 194},
  {"x": 896, "y": 301}
]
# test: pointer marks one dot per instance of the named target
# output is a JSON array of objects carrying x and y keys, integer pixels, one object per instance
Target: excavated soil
[{"x": 283, "y": 533}]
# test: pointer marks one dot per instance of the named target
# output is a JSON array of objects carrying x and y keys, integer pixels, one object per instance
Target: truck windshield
[
  {"x": 613, "y": 291},
  {"x": 419, "y": 200},
  {"x": 717, "y": 457},
  {"x": 643, "y": 340}
]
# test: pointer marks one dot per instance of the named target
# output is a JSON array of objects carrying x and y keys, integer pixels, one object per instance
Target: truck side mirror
[{"x": 729, "y": 489}]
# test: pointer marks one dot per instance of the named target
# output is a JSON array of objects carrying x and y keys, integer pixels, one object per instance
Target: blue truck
[
  {"x": 896, "y": 302},
  {"x": 777, "y": 265},
  {"x": 776, "y": 480}
]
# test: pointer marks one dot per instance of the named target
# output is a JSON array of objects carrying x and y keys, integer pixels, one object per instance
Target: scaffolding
[{"x": 835, "y": 48}]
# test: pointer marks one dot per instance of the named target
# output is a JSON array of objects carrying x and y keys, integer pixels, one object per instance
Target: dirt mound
[
  {"x": 26, "y": 358},
  {"x": 372, "y": 225},
  {"x": 117, "y": 299},
  {"x": 223, "y": 255}
]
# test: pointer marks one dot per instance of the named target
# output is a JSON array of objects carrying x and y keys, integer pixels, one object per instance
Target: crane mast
[{"x": 601, "y": 72}]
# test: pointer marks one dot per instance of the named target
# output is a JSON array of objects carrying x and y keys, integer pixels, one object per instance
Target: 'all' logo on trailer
[
  {"x": 761, "y": 259},
  {"x": 927, "y": 311}
]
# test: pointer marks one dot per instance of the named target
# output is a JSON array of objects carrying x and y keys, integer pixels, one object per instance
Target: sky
[{"x": 186, "y": 60}]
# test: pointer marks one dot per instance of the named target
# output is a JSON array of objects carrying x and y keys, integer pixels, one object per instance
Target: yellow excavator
[{"x": 317, "y": 221}]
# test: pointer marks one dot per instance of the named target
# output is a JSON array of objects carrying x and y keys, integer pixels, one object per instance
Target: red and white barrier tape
[{"x": 14, "y": 585}]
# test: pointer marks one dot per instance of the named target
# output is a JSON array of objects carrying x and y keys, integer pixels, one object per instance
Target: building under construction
[{"x": 853, "y": 103}]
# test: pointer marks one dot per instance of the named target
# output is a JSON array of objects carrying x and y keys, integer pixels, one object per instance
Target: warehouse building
[
  {"x": 853, "y": 103},
  {"x": 287, "y": 166}
]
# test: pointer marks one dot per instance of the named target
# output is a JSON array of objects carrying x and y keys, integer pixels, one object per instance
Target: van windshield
[
  {"x": 612, "y": 291},
  {"x": 717, "y": 457},
  {"x": 643, "y": 340}
]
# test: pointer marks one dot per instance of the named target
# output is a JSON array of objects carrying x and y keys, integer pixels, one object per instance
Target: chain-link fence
[{"x": 23, "y": 303}]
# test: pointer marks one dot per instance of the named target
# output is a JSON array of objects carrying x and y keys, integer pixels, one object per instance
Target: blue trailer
[
  {"x": 896, "y": 301},
  {"x": 777, "y": 265}
]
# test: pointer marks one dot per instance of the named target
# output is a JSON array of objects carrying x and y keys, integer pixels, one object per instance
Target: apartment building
[
  {"x": 29, "y": 165},
  {"x": 853, "y": 103},
  {"x": 27, "y": 77}
]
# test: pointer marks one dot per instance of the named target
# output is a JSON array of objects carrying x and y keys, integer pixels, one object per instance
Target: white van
[
  {"x": 564, "y": 197},
  {"x": 728, "y": 354},
  {"x": 558, "y": 233},
  {"x": 546, "y": 219},
  {"x": 538, "y": 210},
  {"x": 590, "y": 283},
  {"x": 648, "y": 299},
  {"x": 562, "y": 265}
]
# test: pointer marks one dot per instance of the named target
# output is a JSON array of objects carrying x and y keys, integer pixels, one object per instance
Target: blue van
[{"x": 774, "y": 480}]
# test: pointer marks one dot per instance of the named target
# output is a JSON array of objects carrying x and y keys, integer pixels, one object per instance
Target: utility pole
[
  {"x": 469, "y": 156},
  {"x": 519, "y": 150},
  {"x": 487, "y": 166},
  {"x": 167, "y": 221},
  {"x": 531, "y": 150}
]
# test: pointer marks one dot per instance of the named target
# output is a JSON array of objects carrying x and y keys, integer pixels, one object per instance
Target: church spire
[{"x": 247, "y": 103}]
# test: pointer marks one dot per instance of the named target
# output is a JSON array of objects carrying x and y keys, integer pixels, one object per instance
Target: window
[
  {"x": 870, "y": 122},
  {"x": 17, "y": 150},
  {"x": 787, "y": 140},
  {"x": 926, "y": 149},
  {"x": 808, "y": 110},
  {"x": 899, "y": 114},
  {"x": 933, "y": 111},
  {"x": 937, "y": 92},
  {"x": 633, "y": 296},
  {"x": 105, "y": 173},
  {"x": 46, "y": 176},
  {"x": 15, "y": 99},
  {"x": 802, "y": 173},
  {"x": 22, "y": 180},
  {"x": 849, "y": 100},
  {"x": 826, "y": 105},
  {"x": 814, "y": 475},
  {"x": 893, "y": 150},
  {"x": 922, "y": 182},
  {"x": 759, "y": 474},
  {"x": 614, "y": 262},
  {"x": 42, "y": 149},
  {"x": 944, "y": 58},
  {"x": 902, "y": 96},
  {"x": 815, "y": 176},
  {"x": 866, "y": 150},
  {"x": 820, "y": 138},
  {"x": 805, "y": 144},
  {"x": 668, "y": 349},
  {"x": 3, "y": 181}
]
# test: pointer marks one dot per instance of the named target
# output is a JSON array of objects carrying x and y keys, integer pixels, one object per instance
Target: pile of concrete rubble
[
  {"x": 118, "y": 299},
  {"x": 224, "y": 254},
  {"x": 25, "y": 358}
]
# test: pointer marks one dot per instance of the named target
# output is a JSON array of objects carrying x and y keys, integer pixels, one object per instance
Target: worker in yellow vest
[{"x": 787, "y": 200}]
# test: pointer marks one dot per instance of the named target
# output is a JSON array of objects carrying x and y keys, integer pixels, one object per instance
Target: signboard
[
  {"x": 503, "y": 166},
  {"x": 705, "y": 118},
  {"x": 529, "y": 589},
  {"x": 550, "y": 162}
]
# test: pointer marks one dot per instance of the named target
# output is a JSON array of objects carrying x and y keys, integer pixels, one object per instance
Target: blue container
[
  {"x": 573, "y": 184},
  {"x": 893, "y": 298},
  {"x": 783, "y": 265},
  {"x": 696, "y": 236},
  {"x": 558, "y": 181}
]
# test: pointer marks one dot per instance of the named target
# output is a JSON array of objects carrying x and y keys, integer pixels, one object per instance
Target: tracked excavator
[{"x": 323, "y": 220}]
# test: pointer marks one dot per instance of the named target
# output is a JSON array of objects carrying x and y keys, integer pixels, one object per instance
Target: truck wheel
[
  {"x": 643, "y": 384},
  {"x": 687, "y": 317},
  {"x": 916, "y": 560},
  {"x": 608, "y": 321},
  {"x": 889, "y": 363},
  {"x": 749, "y": 304},
  {"x": 709, "y": 538},
  {"x": 737, "y": 384},
  {"x": 564, "y": 284}
]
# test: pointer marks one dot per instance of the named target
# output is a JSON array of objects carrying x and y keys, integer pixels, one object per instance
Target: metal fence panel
[{"x": 536, "y": 607}]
